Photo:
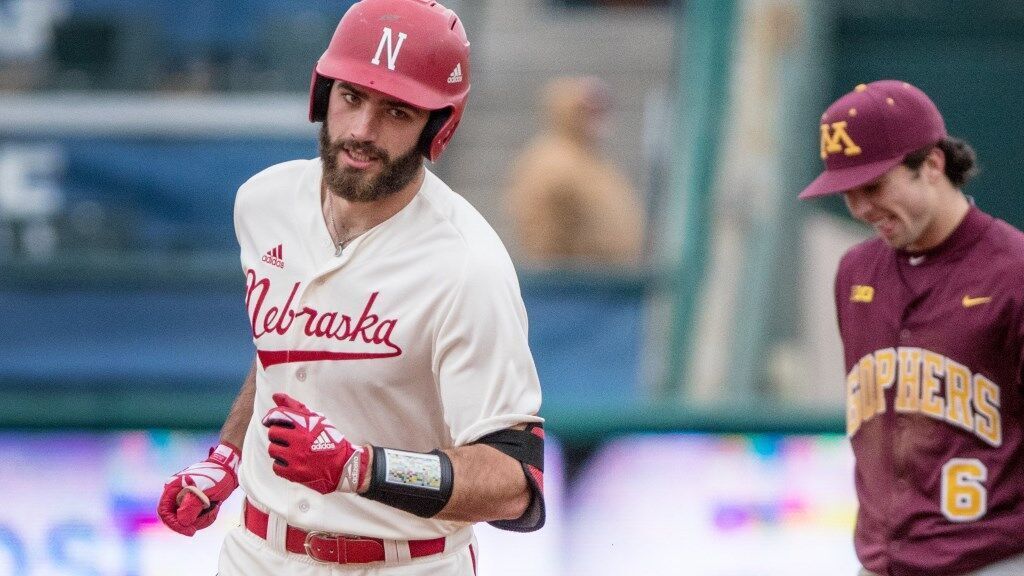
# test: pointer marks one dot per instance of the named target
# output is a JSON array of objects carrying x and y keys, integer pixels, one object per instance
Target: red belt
[{"x": 335, "y": 548}]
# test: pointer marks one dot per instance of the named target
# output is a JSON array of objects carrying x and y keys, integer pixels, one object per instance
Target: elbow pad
[{"x": 526, "y": 446}]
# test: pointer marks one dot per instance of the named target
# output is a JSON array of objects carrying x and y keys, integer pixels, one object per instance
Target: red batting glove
[
  {"x": 192, "y": 497},
  {"x": 308, "y": 449}
]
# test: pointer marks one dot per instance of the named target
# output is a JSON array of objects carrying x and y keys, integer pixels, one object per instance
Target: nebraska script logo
[{"x": 278, "y": 318}]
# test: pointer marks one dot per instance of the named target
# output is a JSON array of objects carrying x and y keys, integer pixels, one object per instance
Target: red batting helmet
[{"x": 412, "y": 50}]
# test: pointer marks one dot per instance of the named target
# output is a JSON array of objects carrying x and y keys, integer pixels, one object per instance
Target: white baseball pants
[{"x": 245, "y": 554}]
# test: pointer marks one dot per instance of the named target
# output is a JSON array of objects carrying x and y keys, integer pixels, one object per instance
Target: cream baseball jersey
[
  {"x": 414, "y": 338},
  {"x": 934, "y": 347}
]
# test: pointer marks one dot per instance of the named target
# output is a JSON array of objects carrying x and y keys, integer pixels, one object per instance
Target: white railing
[{"x": 144, "y": 115}]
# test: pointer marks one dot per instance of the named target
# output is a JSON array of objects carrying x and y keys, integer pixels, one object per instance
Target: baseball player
[
  {"x": 931, "y": 315},
  {"x": 393, "y": 399}
]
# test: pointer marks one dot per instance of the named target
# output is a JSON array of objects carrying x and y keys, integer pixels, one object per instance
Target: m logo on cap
[
  {"x": 837, "y": 141},
  {"x": 386, "y": 40}
]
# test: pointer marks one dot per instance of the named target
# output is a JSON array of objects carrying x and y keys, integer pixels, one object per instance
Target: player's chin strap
[{"x": 418, "y": 483}]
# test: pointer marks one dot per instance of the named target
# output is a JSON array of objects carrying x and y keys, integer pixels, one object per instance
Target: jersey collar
[{"x": 967, "y": 233}]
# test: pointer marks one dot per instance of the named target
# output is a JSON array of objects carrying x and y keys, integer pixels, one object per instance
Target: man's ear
[{"x": 935, "y": 164}]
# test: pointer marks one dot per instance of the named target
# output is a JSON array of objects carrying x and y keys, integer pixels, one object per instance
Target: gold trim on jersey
[{"x": 927, "y": 383}]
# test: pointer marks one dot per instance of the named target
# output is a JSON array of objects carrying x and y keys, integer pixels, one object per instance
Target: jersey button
[
  {"x": 300, "y": 374},
  {"x": 904, "y": 334},
  {"x": 304, "y": 506}
]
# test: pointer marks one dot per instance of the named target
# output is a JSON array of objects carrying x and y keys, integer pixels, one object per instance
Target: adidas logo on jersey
[
  {"x": 275, "y": 256},
  {"x": 322, "y": 442},
  {"x": 456, "y": 76}
]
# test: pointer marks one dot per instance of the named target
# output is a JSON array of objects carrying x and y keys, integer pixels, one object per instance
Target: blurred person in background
[
  {"x": 393, "y": 399},
  {"x": 931, "y": 316},
  {"x": 569, "y": 204}
]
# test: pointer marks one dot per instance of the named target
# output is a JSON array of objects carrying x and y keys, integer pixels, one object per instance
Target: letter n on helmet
[{"x": 413, "y": 50}]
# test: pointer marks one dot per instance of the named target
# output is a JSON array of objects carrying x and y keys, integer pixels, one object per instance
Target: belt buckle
[{"x": 323, "y": 535}]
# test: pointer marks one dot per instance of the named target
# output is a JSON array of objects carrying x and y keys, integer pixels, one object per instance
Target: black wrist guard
[{"x": 415, "y": 482}]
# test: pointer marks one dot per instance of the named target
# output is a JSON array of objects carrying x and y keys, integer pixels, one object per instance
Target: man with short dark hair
[{"x": 931, "y": 315}]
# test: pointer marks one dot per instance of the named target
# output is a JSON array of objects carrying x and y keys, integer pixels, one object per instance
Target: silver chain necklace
[{"x": 340, "y": 244}]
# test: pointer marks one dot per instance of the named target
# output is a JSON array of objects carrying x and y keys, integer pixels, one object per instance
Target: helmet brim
[{"x": 398, "y": 86}]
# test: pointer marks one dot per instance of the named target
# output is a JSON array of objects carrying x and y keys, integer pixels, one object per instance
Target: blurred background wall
[{"x": 125, "y": 129}]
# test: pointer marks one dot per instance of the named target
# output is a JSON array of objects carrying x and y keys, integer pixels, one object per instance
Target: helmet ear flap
[
  {"x": 436, "y": 121},
  {"x": 321, "y": 96}
]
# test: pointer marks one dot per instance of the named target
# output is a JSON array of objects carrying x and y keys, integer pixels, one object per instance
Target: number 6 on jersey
[{"x": 963, "y": 494}]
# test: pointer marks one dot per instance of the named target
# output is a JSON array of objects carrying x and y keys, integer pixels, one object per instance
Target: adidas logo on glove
[{"x": 322, "y": 442}]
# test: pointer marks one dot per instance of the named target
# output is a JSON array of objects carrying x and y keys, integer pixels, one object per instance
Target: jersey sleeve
[
  {"x": 240, "y": 236},
  {"x": 482, "y": 360},
  {"x": 838, "y": 283},
  {"x": 1018, "y": 332},
  {"x": 242, "y": 215}
]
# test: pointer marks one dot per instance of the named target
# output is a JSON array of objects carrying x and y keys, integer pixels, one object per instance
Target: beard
[{"x": 351, "y": 183}]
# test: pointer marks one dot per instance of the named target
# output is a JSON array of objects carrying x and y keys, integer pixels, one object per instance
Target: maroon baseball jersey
[{"x": 934, "y": 343}]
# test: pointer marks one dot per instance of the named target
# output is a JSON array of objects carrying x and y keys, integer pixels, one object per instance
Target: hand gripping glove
[
  {"x": 192, "y": 497},
  {"x": 308, "y": 449}
]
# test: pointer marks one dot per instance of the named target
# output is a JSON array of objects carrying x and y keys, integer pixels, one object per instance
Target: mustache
[{"x": 360, "y": 147}]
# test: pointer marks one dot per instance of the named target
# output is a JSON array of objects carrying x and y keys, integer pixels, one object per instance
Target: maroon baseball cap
[{"x": 870, "y": 130}]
